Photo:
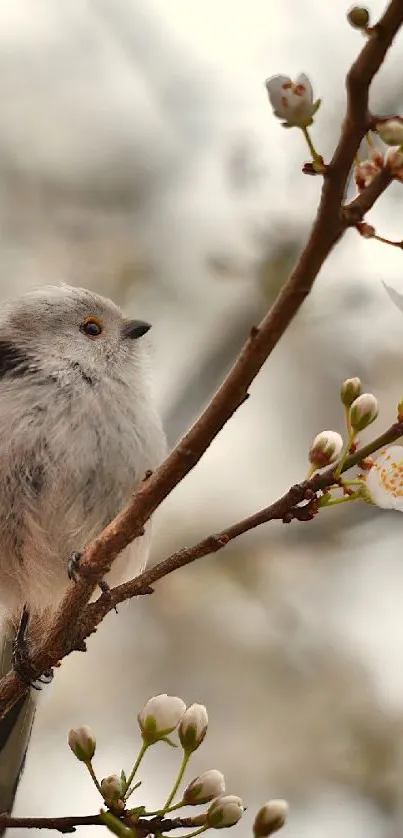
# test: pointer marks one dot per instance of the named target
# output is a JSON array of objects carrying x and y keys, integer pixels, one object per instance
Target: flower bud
[
  {"x": 350, "y": 390},
  {"x": 363, "y": 411},
  {"x": 390, "y": 130},
  {"x": 160, "y": 716},
  {"x": 193, "y": 727},
  {"x": 225, "y": 811},
  {"x": 394, "y": 162},
  {"x": 325, "y": 449},
  {"x": 271, "y": 817},
  {"x": 367, "y": 231},
  {"x": 112, "y": 788},
  {"x": 366, "y": 170},
  {"x": 358, "y": 17},
  {"x": 82, "y": 742},
  {"x": 205, "y": 788}
]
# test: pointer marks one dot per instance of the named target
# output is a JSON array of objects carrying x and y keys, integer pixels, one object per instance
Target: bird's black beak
[{"x": 135, "y": 329}]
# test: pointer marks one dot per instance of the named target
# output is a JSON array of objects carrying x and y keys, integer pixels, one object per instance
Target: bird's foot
[{"x": 21, "y": 659}]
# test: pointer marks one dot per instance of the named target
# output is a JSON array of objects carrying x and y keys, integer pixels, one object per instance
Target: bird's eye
[{"x": 91, "y": 327}]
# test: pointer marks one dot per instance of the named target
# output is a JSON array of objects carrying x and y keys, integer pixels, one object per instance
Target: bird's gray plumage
[{"x": 78, "y": 431}]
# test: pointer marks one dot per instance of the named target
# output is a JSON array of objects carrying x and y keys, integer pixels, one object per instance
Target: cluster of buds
[
  {"x": 293, "y": 102},
  {"x": 380, "y": 481},
  {"x": 328, "y": 448},
  {"x": 160, "y": 717}
]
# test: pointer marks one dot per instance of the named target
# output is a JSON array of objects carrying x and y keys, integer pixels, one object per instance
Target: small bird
[{"x": 78, "y": 432}]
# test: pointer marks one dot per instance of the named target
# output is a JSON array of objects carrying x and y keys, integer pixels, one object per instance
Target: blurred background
[{"x": 139, "y": 157}]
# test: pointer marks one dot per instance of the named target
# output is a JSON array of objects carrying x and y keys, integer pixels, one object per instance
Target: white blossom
[
  {"x": 160, "y": 716},
  {"x": 384, "y": 481},
  {"x": 292, "y": 102},
  {"x": 202, "y": 789}
]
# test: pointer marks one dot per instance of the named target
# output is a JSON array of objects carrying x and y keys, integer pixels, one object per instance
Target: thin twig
[
  {"x": 330, "y": 224},
  {"x": 284, "y": 508}
]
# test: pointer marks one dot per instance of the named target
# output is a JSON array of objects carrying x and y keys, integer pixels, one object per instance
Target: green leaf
[{"x": 168, "y": 741}]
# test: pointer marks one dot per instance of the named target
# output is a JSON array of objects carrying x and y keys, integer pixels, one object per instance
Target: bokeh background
[{"x": 139, "y": 156}]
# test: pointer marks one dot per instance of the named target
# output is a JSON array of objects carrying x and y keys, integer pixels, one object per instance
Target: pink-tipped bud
[{"x": 325, "y": 449}]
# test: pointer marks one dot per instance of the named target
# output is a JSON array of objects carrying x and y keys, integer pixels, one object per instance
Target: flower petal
[
  {"x": 384, "y": 481},
  {"x": 303, "y": 81},
  {"x": 278, "y": 89}
]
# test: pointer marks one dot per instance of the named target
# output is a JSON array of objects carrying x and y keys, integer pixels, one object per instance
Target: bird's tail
[{"x": 15, "y": 732}]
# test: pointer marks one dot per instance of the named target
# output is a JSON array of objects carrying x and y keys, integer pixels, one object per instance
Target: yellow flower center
[{"x": 391, "y": 476}]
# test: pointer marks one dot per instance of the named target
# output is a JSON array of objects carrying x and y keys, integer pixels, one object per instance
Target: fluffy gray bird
[{"x": 78, "y": 431}]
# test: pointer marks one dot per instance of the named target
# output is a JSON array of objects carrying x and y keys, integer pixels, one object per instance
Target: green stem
[
  {"x": 344, "y": 499},
  {"x": 348, "y": 421},
  {"x": 312, "y": 149},
  {"x": 185, "y": 760},
  {"x": 165, "y": 811},
  {"x": 191, "y": 834},
  {"x": 93, "y": 776},
  {"x": 142, "y": 751},
  {"x": 344, "y": 455}
]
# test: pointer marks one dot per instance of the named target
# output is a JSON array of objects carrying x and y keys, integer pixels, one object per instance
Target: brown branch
[
  {"x": 284, "y": 509},
  {"x": 284, "y": 506},
  {"x": 143, "y": 826},
  {"x": 329, "y": 226}
]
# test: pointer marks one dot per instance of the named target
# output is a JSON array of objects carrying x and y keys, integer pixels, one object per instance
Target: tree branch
[
  {"x": 143, "y": 826},
  {"x": 329, "y": 226},
  {"x": 284, "y": 509}
]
